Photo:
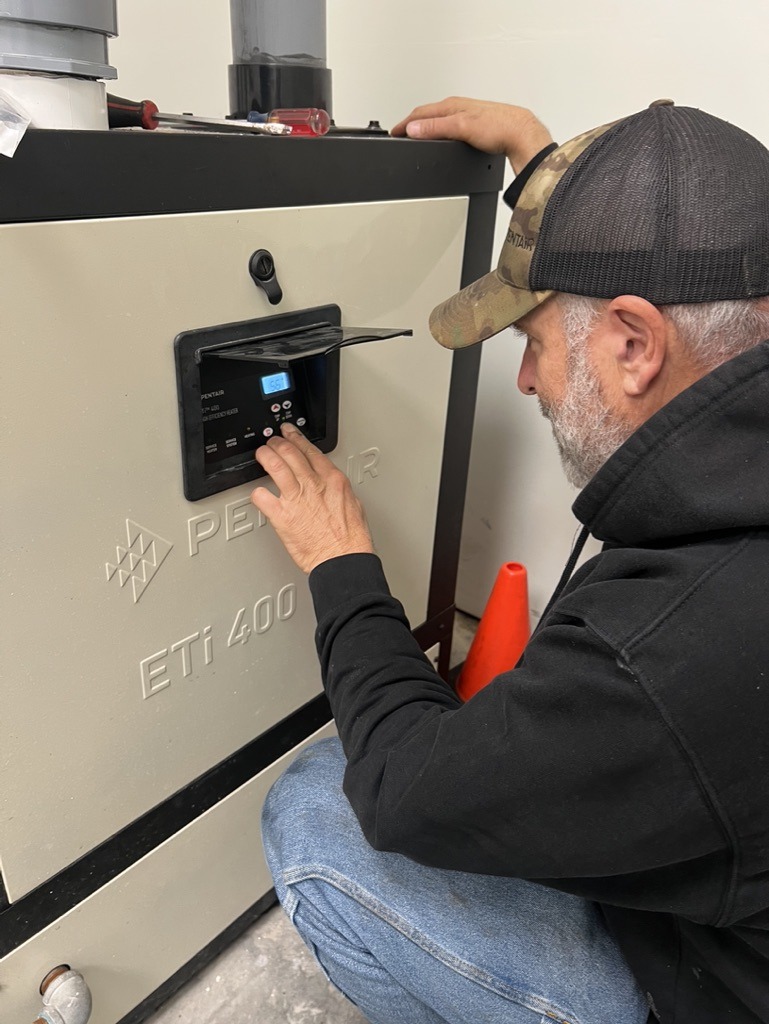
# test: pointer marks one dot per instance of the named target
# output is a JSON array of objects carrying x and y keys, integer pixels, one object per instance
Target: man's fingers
[
  {"x": 279, "y": 469},
  {"x": 315, "y": 513},
  {"x": 451, "y": 126},
  {"x": 295, "y": 436},
  {"x": 300, "y": 464},
  {"x": 314, "y": 456},
  {"x": 266, "y": 502},
  {"x": 428, "y": 110}
]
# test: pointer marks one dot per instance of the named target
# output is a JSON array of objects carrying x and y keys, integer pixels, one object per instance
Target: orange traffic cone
[{"x": 502, "y": 633}]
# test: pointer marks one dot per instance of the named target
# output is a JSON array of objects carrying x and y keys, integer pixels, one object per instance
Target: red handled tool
[
  {"x": 301, "y": 120},
  {"x": 123, "y": 113}
]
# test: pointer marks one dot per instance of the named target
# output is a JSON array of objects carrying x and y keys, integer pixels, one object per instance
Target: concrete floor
[{"x": 268, "y": 976}]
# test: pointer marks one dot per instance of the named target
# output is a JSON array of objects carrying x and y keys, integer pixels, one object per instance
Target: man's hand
[
  {"x": 316, "y": 515},
  {"x": 492, "y": 127}
]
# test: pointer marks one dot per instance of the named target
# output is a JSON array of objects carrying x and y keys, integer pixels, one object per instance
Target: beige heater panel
[
  {"x": 147, "y": 637},
  {"x": 135, "y": 932}
]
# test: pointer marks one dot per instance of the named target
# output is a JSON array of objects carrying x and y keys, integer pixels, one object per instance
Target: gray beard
[{"x": 586, "y": 431}]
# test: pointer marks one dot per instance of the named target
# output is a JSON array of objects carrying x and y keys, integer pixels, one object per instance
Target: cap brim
[{"x": 483, "y": 309}]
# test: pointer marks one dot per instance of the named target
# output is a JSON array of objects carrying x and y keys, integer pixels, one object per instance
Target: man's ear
[{"x": 638, "y": 340}]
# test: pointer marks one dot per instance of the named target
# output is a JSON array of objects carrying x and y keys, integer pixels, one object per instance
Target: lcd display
[{"x": 275, "y": 383}]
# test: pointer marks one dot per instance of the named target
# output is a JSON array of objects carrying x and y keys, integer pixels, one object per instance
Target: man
[{"x": 587, "y": 839}]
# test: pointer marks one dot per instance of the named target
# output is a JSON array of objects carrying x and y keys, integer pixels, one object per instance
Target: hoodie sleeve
[{"x": 561, "y": 770}]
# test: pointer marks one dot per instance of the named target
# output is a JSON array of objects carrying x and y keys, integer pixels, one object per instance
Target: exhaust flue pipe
[{"x": 278, "y": 56}]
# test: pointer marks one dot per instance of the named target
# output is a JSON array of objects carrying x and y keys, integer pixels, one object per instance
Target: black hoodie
[{"x": 626, "y": 758}]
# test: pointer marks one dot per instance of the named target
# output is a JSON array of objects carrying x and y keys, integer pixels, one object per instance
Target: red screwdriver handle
[
  {"x": 122, "y": 113},
  {"x": 302, "y": 120}
]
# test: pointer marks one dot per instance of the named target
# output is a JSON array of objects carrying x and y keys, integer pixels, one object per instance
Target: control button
[
  {"x": 301, "y": 421},
  {"x": 275, "y": 407},
  {"x": 287, "y": 404},
  {"x": 268, "y": 431}
]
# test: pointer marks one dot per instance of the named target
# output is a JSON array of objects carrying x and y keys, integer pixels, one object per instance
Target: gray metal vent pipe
[
  {"x": 279, "y": 55},
  {"x": 63, "y": 37},
  {"x": 66, "y": 997}
]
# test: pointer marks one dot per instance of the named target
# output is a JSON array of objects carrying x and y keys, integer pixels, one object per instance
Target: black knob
[
  {"x": 261, "y": 267},
  {"x": 264, "y": 266}
]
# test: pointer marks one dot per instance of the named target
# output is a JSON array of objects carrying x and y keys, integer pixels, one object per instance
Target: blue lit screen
[{"x": 274, "y": 383}]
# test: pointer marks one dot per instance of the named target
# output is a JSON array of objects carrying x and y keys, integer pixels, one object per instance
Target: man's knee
[
  {"x": 314, "y": 773},
  {"x": 305, "y": 801}
]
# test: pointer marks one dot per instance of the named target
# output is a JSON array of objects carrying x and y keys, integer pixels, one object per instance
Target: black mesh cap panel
[{"x": 671, "y": 204}]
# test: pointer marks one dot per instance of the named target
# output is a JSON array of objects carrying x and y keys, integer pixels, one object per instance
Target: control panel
[
  {"x": 238, "y": 382},
  {"x": 243, "y": 407}
]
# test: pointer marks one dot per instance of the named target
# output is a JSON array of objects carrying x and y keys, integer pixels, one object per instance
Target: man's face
[{"x": 559, "y": 370}]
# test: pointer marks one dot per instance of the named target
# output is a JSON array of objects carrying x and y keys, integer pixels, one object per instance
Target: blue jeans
[{"x": 416, "y": 945}]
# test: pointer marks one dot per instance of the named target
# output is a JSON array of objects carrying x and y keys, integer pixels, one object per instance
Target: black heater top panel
[{"x": 70, "y": 175}]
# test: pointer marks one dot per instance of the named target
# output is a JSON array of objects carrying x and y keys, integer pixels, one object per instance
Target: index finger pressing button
[{"x": 296, "y": 437}]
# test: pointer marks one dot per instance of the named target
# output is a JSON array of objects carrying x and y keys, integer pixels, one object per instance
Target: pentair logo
[{"x": 140, "y": 560}]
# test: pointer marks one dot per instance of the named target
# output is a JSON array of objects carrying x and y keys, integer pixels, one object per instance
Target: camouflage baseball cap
[{"x": 670, "y": 204}]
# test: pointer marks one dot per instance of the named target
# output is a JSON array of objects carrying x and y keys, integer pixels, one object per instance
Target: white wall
[
  {"x": 577, "y": 65},
  {"x": 174, "y": 52}
]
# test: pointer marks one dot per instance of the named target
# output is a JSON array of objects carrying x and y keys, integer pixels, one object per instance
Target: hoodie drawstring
[{"x": 568, "y": 569}]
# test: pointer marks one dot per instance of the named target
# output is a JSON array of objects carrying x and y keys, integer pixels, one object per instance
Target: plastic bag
[{"x": 14, "y": 121}]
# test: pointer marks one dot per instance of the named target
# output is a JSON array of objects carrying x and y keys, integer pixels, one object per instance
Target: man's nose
[{"x": 526, "y": 373}]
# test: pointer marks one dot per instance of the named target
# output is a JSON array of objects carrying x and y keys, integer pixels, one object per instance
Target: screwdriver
[
  {"x": 123, "y": 113},
  {"x": 302, "y": 120}
]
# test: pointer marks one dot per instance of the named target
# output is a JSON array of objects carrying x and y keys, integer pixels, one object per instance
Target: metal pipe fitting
[{"x": 66, "y": 997}]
